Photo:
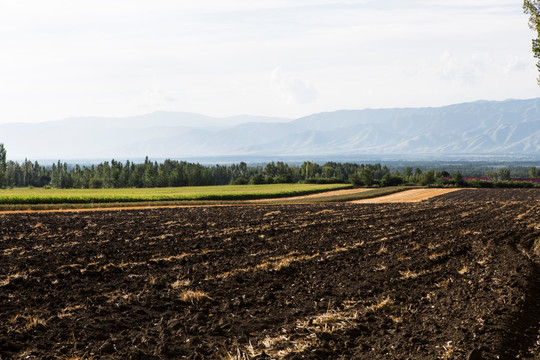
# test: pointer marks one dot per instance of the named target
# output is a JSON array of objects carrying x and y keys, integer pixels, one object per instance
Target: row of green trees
[{"x": 116, "y": 174}]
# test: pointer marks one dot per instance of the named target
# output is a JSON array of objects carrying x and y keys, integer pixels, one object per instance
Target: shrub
[
  {"x": 240, "y": 181},
  {"x": 257, "y": 179},
  {"x": 391, "y": 180},
  {"x": 356, "y": 179},
  {"x": 96, "y": 183}
]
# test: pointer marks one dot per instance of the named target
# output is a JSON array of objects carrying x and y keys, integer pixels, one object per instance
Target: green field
[{"x": 42, "y": 196}]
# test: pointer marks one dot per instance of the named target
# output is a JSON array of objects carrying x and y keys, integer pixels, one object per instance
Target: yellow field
[{"x": 414, "y": 195}]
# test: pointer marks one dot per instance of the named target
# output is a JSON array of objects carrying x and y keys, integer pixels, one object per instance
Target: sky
[{"x": 279, "y": 58}]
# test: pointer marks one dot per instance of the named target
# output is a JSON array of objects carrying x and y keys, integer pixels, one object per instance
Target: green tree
[
  {"x": 257, "y": 179},
  {"x": 407, "y": 172},
  {"x": 270, "y": 170},
  {"x": 95, "y": 183},
  {"x": 503, "y": 175},
  {"x": 367, "y": 176},
  {"x": 309, "y": 169},
  {"x": 458, "y": 179},
  {"x": 3, "y": 166},
  {"x": 356, "y": 179},
  {"x": 56, "y": 176},
  {"x": 242, "y": 167},
  {"x": 240, "y": 181},
  {"x": 328, "y": 171},
  {"x": 391, "y": 180},
  {"x": 150, "y": 174},
  {"x": 429, "y": 177},
  {"x": 532, "y": 8}
]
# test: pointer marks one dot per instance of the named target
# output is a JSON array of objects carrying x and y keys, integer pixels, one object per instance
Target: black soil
[{"x": 456, "y": 277}]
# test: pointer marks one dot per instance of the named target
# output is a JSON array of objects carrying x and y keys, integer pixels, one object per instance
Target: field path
[
  {"x": 415, "y": 195},
  {"x": 105, "y": 208}
]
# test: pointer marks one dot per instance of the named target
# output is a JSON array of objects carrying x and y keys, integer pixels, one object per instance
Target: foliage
[
  {"x": 458, "y": 179},
  {"x": 532, "y": 8},
  {"x": 240, "y": 181},
  {"x": 392, "y": 180},
  {"x": 257, "y": 179},
  {"x": 172, "y": 173},
  {"x": 428, "y": 178},
  {"x": 324, "y": 180}
]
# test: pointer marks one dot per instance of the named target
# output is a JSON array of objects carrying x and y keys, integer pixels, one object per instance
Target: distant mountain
[
  {"x": 509, "y": 127},
  {"x": 159, "y": 134}
]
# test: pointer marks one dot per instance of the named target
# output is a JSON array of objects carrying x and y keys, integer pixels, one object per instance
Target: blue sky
[{"x": 284, "y": 58}]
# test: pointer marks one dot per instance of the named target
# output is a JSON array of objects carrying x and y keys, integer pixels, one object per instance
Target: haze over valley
[{"x": 490, "y": 128}]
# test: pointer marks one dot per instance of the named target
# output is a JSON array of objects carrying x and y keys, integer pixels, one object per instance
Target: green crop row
[{"x": 28, "y": 196}]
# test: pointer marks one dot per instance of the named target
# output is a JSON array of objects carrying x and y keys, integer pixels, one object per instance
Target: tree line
[{"x": 172, "y": 173}]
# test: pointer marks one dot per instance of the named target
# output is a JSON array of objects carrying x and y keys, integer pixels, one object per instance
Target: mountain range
[{"x": 481, "y": 128}]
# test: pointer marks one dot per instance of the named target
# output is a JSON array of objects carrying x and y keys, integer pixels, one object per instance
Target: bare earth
[
  {"x": 415, "y": 195},
  {"x": 454, "y": 277}
]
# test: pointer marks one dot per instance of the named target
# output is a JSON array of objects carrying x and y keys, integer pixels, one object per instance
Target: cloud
[
  {"x": 475, "y": 68},
  {"x": 515, "y": 64},
  {"x": 468, "y": 71},
  {"x": 154, "y": 98},
  {"x": 294, "y": 89},
  {"x": 466, "y": 3}
]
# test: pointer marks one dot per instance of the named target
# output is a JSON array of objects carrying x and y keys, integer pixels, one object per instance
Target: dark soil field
[{"x": 455, "y": 277}]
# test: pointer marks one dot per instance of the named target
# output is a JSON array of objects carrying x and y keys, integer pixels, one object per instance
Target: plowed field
[{"x": 454, "y": 277}]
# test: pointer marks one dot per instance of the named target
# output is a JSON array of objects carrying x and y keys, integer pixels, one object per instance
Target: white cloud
[
  {"x": 467, "y": 3},
  {"x": 466, "y": 70},
  {"x": 294, "y": 89},
  {"x": 515, "y": 64},
  {"x": 154, "y": 99},
  {"x": 473, "y": 69}
]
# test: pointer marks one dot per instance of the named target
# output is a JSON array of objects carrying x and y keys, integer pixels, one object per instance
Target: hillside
[{"x": 477, "y": 128}]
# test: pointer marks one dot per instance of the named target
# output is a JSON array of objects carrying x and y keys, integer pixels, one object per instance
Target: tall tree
[
  {"x": 532, "y": 8},
  {"x": 367, "y": 176},
  {"x": 3, "y": 165}
]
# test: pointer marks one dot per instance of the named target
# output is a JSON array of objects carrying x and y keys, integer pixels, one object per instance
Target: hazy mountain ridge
[{"x": 483, "y": 127}]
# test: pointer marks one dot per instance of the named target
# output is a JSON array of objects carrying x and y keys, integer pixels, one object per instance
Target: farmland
[
  {"x": 32, "y": 196},
  {"x": 453, "y": 277}
]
